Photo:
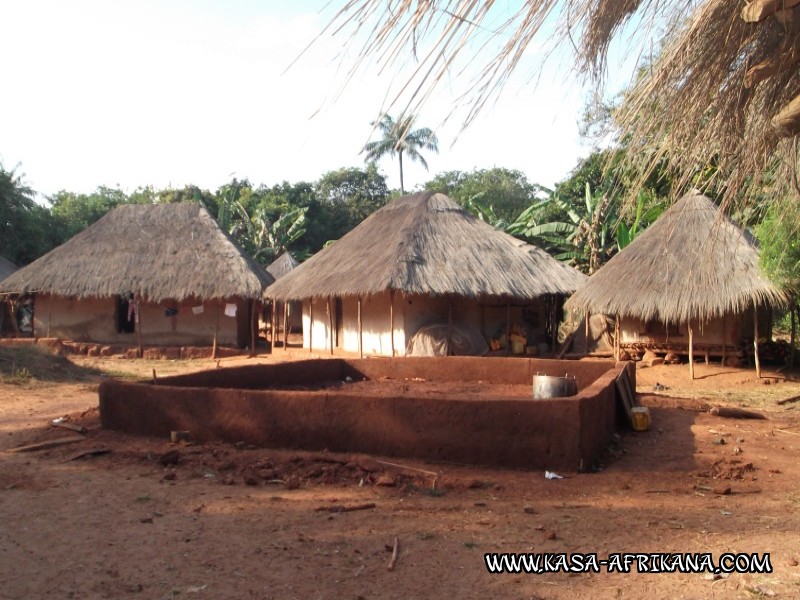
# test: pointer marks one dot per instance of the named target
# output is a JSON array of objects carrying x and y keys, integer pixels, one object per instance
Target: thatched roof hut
[
  {"x": 282, "y": 265},
  {"x": 424, "y": 262},
  {"x": 157, "y": 252},
  {"x": 427, "y": 244},
  {"x": 692, "y": 263},
  {"x": 6, "y": 268},
  {"x": 693, "y": 267}
]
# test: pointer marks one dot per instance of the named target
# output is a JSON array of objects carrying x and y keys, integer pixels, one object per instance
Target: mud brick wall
[{"x": 227, "y": 404}]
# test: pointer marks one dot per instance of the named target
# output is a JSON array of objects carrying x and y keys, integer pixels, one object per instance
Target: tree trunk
[{"x": 402, "y": 190}]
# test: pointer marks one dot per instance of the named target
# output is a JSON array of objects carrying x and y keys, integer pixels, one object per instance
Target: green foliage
[
  {"x": 26, "y": 229},
  {"x": 506, "y": 191},
  {"x": 780, "y": 245}
]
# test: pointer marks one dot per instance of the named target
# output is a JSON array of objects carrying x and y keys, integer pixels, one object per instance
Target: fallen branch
[
  {"x": 789, "y": 400},
  {"x": 390, "y": 566},
  {"x": 70, "y": 426},
  {"x": 89, "y": 452},
  {"x": 790, "y": 432},
  {"x": 341, "y": 509},
  {"x": 47, "y": 444},
  {"x": 728, "y": 412}
]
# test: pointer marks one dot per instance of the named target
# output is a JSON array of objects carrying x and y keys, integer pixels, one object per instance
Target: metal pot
[{"x": 549, "y": 386}]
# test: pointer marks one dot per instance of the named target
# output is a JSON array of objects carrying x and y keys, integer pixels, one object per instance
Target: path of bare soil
[{"x": 228, "y": 521}]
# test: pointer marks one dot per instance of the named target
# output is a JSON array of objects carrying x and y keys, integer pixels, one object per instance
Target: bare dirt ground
[{"x": 228, "y": 521}]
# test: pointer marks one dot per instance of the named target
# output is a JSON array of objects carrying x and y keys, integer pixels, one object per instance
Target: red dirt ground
[{"x": 228, "y": 521}]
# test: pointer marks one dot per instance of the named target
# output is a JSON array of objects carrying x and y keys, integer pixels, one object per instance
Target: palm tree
[{"x": 398, "y": 138}]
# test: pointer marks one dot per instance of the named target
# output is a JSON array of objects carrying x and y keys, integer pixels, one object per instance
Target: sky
[{"x": 177, "y": 92}]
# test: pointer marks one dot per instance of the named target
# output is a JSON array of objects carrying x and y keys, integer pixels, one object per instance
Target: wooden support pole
[
  {"x": 311, "y": 324},
  {"x": 554, "y": 324},
  {"x": 274, "y": 325},
  {"x": 616, "y": 339},
  {"x": 360, "y": 332},
  {"x": 724, "y": 339},
  {"x": 285, "y": 324},
  {"x": 137, "y": 315},
  {"x": 449, "y": 325},
  {"x": 216, "y": 330},
  {"x": 587, "y": 332},
  {"x": 391, "y": 318},
  {"x": 691, "y": 351},
  {"x": 253, "y": 327},
  {"x": 792, "y": 307},
  {"x": 330, "y": 323},
  {"x": 508, "y": 326},
  {"x": 755, "y": 340},
  {"x": 49, "y": 313}
]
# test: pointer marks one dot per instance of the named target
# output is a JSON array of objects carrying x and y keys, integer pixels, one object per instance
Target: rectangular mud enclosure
[{"x": 457, "y": 409}]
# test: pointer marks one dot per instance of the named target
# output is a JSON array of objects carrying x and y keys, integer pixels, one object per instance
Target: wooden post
[
  {"x": 311, "y": 324},
  {"x": 616, "y": 338},
  {"x": 285, "y": 324},
  {"x": 508, "y": 326},
  {"x": 391, "y": 318},
  {"x": 137, "y": 315},
  {"x": 216, "y": 329},
  {"x": 587, "y": 332},
  {"x": 793, "y": 336},
  {"x": 274, "y": 325},
  {"x": 253, "y": 326},
  {"x": 449, "y": 325},
  {"x": 330, "y": 323},
  {"x": 755, "y": 340},
  {"x": 554, "y": 330},
  {"x": 50, "y": 313},
  {"x": 691, "y": 350},
  {"x": 724, "y": 339},
  {"x": 360, "y": 339}
]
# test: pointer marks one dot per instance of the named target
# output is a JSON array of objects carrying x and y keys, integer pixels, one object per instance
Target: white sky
[{"x": 171, "y": 93}]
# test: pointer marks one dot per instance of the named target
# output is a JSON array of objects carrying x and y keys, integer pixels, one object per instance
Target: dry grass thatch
[
  {"x": 282, "y": 265},
  {"x": 6, "y": 268},
  {"x": 427, "y": 244},
  {"x": 692, "y": 263},
  {"x": 720, "y": 92},
  {"x": 159, "y": 252}
]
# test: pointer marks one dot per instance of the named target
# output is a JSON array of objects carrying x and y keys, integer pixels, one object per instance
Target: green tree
[
  {"x": 352, "y": 194},
  {"x": 508, "y": 192},
  {"x": 75, "y": 212},
  {"x": 26, "y": 228},
  {"x": 398, "y": 139}
]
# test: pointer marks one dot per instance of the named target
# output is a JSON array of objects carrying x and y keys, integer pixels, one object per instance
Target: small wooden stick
[
  {"x": 390, "y": 567},
  {"x": 155, "y": 378},
  {"x": 341, "y": 509}
]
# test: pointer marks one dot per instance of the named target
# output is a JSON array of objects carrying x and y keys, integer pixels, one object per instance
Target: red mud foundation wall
[{"x": 561, "y": 433}]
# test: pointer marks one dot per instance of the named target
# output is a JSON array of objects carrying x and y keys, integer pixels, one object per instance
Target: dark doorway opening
[{"x": 125, "y": 317}]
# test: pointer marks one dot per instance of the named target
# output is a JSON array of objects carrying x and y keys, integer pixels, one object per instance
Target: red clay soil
[{"x": 227, "y": 521}]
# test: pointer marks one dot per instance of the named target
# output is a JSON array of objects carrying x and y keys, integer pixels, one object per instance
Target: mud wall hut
[
  {"x": 691, "y": 282},
  {"x": 145, "y": 274},
  {"x": 419, "y": 262}
]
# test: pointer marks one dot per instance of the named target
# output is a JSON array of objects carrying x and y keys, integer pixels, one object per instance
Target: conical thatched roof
[
  {"x": 427, "y": 244},
  {"x": 6, "y": 268},
  {"x": 693, "y": 262},
  {"x": 163, "y": 251},
  {"x": 282, "y": 265}
]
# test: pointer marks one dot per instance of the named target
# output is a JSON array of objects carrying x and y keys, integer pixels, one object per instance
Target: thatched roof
[
  {"x": 163, "y": 251},
  {"x": 427, "y": 244},
  {"x": 693, "y": 262},
  {"x": 6, "y": 268},
  {"x": 282, "y": 265}
]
